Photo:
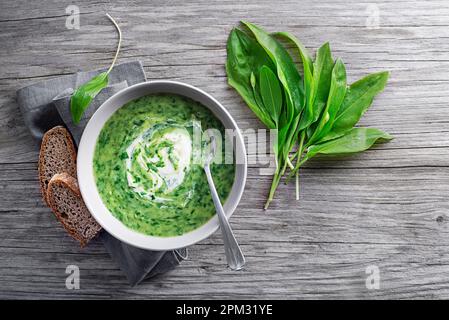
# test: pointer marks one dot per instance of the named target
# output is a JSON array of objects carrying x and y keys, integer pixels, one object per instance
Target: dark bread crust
[
  {"x": 65, "y": 200},
  {"x": 57, "y": 154}
]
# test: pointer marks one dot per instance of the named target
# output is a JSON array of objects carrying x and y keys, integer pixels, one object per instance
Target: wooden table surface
[{"x": 385, "y": 208}]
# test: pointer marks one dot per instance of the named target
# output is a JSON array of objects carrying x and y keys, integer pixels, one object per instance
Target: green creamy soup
[{"x": 145, "y": 170}]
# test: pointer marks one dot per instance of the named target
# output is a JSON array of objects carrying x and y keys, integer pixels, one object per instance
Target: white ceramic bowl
[{"x": 88, "y": 186}]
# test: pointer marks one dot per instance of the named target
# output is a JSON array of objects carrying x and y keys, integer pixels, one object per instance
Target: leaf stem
[
  {"x": 290, "y": 164},
  {"x": 301, "y": 145},
  {"x": 297, "y": 155},
  {"x": 298, "y": 165},
  {"x": 293, "y": 157},
  {"x": 274, "y": 184},
  {"x": 119, "y": 42},
  {"x": 297, "y": 184}
]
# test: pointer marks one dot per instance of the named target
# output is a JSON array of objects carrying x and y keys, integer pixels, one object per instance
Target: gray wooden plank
[{"x": 386, "y": 207}]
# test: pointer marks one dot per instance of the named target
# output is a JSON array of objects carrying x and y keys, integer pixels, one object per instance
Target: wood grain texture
[{"x": 387, "y": 207}]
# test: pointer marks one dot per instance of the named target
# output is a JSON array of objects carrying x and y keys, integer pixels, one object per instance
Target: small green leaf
[
  {"x": 258, "y": 100},
  {"x": 357, "y": 100},
  {"x": 319, "y": 87},
  {"x": 356, "y": 140},
  {"x": 283, "y": 117},
  {"x": 82, "y": 97},
  {"x": 291, "y": 135},
  {"x": 303, "y": 52},
  {"x": 286, "y": 134},
  {"x": 307, "y": 62},
  {"x": 337, "y": 93},
  {"x": 279, "y": 143},
  {"x": 271, "y": 92}
]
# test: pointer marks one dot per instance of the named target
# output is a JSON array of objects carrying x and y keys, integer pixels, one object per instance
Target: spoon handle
[{"x": 234, "y": 255}]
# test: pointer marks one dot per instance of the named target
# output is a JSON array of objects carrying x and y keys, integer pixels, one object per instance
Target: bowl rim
[{"x": 88, "y": 187}]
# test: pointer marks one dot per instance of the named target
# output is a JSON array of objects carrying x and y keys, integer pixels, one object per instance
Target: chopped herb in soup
[{"x": 145, "y": 168}]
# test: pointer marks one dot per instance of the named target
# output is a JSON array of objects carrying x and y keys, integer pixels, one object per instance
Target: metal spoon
[{"x": 234, "y": 255}]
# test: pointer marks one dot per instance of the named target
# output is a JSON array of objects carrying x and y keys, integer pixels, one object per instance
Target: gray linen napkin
[{"x": 46, "y": 104}]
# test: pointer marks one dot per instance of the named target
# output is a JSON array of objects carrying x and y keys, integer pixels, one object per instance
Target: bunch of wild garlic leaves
[{"x": 315, "y": 111}]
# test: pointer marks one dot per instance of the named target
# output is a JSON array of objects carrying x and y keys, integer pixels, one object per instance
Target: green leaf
[
  {"x": 337, "y": 93},
  {"x": 357, "y": 100},
  {"x": 258, "y": 99},
  {"x": 320, "y": 84},
  {"x": 245, "y": 57},
  {"x": 283, "y": 118},
  {"x": 281, "y": 138},
  {"x": 271, "y": 92},
  {"x": 291, "y": 135},
  {"x": 303, "y": 52},
  {"x": 82, "y": 96},
  {"x": 286, "y": 134},
  {"x": 356, "y": 140},
  {"x": 286, "y": 69},
  {"x": 306, "y": 59}
]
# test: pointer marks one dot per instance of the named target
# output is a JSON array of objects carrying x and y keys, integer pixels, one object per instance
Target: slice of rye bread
[
  {"x": 65, "y": 200},
  {"x": 57, "y": 155}
]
